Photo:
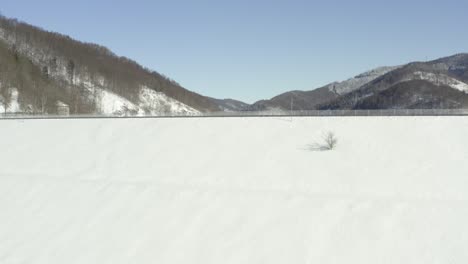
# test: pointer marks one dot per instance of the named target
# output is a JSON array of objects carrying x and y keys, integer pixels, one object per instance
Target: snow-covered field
[{"x": 234, "y": 190}]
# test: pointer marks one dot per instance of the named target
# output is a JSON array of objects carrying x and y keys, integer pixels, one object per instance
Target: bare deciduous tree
[
  {"x": 71, "y": 71},
  {"x": 328, "y": 142},
  {"x": 97, "y": 100},
  {"x": 5, "y": 97},
  {"x": 43, "y": 103}
]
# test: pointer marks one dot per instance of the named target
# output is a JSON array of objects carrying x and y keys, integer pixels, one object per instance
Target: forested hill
[{"x": 41, "y": 67}]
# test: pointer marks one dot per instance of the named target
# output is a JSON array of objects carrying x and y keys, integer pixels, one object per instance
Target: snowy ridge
[{"x": 358, "y": 81}]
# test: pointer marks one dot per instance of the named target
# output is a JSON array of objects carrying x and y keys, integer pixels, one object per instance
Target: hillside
[
  {"x": 216, "y": 190},
  {"x": 441, "y": 83},
  {"x": 88, "y": 78},
  {"x": 230, "y": 105},
  {"x": 309, "y": 100},
  {"x": 438, "y": 84},
  {"x": 44, "y": 73}
]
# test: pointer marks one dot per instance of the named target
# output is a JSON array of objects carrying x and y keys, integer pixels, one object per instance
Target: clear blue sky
[{"x": 256, "y": 49}]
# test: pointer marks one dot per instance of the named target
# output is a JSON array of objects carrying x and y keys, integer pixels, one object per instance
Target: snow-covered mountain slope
[
  {"x": 10, "y": 104},
  {"x": 70, "y": 66},
  {"x": 234, "y": 191},
  {"x": 230, "y": 105},
  {"x": 149, "y": 102},
  {"x": 352, "y": 84},
  {"x": 415, "y": 80},
  {"x": 439, "y": 80},
  {"x": 309, "y": 100},
  {"x": 152, "y": 102}
]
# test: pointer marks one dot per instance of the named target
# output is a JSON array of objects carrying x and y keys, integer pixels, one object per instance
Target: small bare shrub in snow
[{"x": 330, "y": 140}]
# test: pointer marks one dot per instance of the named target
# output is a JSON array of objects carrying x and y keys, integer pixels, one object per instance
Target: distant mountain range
[
  {"x": 43, "y": 72},
  {"x": 439, "y": 84},
  {"x": 308, "y": 100}
]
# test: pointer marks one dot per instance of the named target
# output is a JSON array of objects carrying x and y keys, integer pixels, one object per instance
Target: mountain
[
  {"x": 44, "y": 72},
  {"x": 295, "y": 100},
  {"x": 230, "y": 105},
  {"x": 41, "y": 71},
  {"x": 309, "y": 100},
  {"x": 441, "y": 83}
]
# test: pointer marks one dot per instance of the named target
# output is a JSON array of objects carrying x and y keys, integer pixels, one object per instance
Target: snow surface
[{"x": 217, "y": 190}]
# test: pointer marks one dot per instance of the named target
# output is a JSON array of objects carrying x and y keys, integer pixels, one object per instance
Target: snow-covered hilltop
[
  {"x": 358, "y": 81},
  {"x": 309, "y": 100}
]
